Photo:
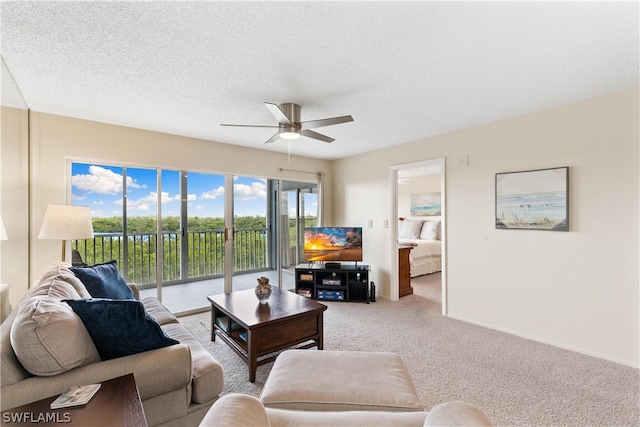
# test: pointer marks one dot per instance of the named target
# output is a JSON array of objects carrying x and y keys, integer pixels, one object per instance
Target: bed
[{"x": 424, "y": 237}]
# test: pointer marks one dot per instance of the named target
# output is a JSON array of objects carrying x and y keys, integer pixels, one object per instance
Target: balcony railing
[{"x": 205, "y": 254}]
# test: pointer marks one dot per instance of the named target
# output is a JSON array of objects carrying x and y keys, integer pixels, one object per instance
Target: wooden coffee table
[
  {"x": 257, "y": 331},
  {"x": 117, "y": 403}
]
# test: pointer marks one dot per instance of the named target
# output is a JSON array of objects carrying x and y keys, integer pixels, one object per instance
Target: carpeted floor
[{"x": 516, "y": 382}]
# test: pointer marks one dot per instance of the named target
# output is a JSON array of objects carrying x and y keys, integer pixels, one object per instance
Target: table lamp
[{"x": 66, "y": 222}]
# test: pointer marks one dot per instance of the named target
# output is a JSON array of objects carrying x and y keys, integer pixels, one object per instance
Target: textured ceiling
[{"x": 404, "y": 71}]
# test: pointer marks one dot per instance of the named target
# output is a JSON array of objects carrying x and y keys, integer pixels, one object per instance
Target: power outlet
[{"x": 385, "y": 223}]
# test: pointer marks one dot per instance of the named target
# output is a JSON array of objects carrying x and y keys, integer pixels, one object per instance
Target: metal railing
[{"x": 204, "y": 252}]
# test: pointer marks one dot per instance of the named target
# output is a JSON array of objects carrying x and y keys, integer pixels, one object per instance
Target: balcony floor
[{"x": 191, "y": 297}]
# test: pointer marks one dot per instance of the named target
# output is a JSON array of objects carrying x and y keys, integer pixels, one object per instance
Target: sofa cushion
[
  {"x": 456, "y": 413},
  {"x": 120, "y": 327},
  {"x": 104, "y": 281},
  {"x": 48, "y": 338},
  {"x": 234, "y": 410},
  {"x": 369, "y": 381},
  {"x": 11, "y": 370},
  {"x": 159, "y": 312},
  {"x": 292, "y": 418},
  {"x": 208, "y": 379}
]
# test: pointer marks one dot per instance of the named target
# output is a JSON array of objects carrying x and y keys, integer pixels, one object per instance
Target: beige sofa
[
  {"x": 177, "y": 383},
  {"x": 235, "y": 410}
]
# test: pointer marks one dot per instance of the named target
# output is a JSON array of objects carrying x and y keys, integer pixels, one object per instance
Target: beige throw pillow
[
  {"x": 61, "y": 271},
  {"x": 48, "y": 338}
]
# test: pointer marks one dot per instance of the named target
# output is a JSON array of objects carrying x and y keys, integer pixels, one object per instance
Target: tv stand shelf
[{"x": 346, "y": 283}]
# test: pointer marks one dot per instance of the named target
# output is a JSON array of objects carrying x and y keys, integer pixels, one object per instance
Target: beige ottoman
[{"x": 340, "y": 381}]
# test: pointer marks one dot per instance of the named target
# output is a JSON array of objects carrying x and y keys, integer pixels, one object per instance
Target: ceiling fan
[{"x": 290, "y": 127}]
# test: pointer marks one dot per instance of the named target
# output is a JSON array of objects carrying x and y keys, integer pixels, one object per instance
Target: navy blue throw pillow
[
  {"x": 104, "y": 281},
  {"x": 120, "y": 327}
]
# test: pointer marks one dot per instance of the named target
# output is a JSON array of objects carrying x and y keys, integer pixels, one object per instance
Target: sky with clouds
[{"x": 100, "y": 187}]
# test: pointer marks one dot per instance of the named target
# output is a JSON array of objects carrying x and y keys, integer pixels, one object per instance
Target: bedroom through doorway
[{"x": 419, "y": 214}]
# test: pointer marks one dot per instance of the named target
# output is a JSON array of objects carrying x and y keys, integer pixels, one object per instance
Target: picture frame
[
  {"x": 426, "y": 204},
  {"x": 533, "y": 200}
]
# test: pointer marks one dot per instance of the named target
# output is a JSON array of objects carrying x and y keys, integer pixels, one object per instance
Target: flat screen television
[{"x": 333, "y": 244}]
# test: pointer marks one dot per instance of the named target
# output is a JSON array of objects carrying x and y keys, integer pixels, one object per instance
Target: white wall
[
  {"x": 55, "y": 140},
  {"x": 576, "y": 289}
]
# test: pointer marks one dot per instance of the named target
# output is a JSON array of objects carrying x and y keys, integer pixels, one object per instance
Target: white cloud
[
  {"x": 247, "y": 192},
  {"x": 213, "y": 194},
  {"x": 149, "y": 201},
  {"x": 102, "y": 181}
]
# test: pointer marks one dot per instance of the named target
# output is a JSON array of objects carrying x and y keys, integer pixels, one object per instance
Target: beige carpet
[{"x": 517, "y": 382}]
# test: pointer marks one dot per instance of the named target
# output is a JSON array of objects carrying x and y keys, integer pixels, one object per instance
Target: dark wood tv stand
[{"x": 346, "y": 283}]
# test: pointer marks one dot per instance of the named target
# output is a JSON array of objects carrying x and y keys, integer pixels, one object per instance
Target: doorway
[{"x": 418, "y": 194}]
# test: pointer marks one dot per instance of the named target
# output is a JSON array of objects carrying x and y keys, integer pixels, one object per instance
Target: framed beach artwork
[
  {"x": 426, "y": 204},
  {"x": 533, "y": 200}
]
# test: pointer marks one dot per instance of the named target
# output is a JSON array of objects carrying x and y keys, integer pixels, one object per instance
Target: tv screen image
[{"x": 333, "y": 244}]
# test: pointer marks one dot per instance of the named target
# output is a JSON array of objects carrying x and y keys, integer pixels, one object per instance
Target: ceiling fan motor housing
[{"x": 292, "y": 111}]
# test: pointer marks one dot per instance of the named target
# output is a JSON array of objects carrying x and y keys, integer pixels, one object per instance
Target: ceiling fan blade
[
  {"x": 325, "y": 122},
  {"x": 250, "y": 126},
  {"x": 280, "y": 116},
  {"x": 315, "y": 135},
  {"x": 273, "y": 138}
]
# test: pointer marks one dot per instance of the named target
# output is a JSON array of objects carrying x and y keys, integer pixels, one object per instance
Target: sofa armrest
[
  {"x": 234, "y": 410},
  {"x": 156, "y": 372},
  {"x": 135, "y": 290},
  {"x": 456, "y": 413},
  {"x": 5, "y": 306}
]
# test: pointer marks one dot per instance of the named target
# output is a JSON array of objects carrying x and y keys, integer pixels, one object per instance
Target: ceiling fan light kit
[
  {"x": 289, "y": 132},
  {"x": 289, "y": 124}
]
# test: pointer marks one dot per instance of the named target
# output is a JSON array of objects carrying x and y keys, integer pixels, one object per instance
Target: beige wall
[
  {"x": 14, "y": 200},
  {"x": 56, "y": 140},
  {"x": 577, "y": 290}
]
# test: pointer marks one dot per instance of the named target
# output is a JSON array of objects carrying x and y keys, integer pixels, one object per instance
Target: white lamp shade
[
  {"x": 3, "y": 232},
  {"x": 66, "y": 222}
]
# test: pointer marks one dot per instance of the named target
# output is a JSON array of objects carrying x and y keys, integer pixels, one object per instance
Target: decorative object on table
[
  {"x": 75, "y": 396},
  {"x": 533, "y": 200},
  {"x": 263, "y": 290},
  {"x": 426, "y": 204},
  {"x": 66, "y": 222}
]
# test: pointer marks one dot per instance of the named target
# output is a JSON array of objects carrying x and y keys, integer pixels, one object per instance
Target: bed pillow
[
  {"x": 104, "y": 281},
  {"x": 430, "y": 230},
  {"x": 410, "y": 229},
  {"x": 120, "y": 327}
]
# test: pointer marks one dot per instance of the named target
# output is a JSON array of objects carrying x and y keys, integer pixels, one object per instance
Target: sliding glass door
[
  {"x": 298, "y": 208},
  {"x": 251, "y": 228},
  {"x": 182, "y": 236}
]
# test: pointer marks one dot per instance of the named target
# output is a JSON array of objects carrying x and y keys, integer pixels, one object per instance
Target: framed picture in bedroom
[
  {"x": 533, "y": 200},
  {"x": 426, "y": 204}
]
